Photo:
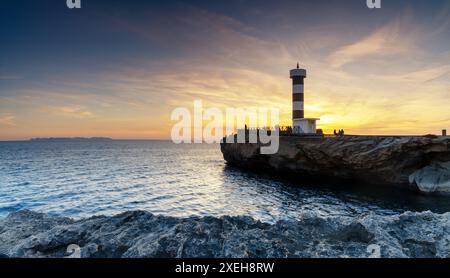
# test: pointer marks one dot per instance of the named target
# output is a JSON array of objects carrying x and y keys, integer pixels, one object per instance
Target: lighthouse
[{"x": 300, "y": 124}]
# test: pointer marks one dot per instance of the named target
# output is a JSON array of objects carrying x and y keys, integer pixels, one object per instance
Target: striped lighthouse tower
[
  {"x": 298, "y": 76},
  {"x": 300, "y": 125}
]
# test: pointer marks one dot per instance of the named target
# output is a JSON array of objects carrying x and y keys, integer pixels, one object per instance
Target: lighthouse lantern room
[{"x": 300, "y": 125}]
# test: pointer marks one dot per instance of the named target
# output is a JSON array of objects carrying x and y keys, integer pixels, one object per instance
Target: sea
[{"x": 85, "y": 178}]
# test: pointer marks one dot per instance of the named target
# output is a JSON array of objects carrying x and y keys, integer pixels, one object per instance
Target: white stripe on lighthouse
[
  {"x": 298, "y": 105},
  {"x": 298, "y": 89}
]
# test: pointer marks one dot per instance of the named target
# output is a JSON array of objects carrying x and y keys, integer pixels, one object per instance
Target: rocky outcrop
[
  {"x": 413, "y": 162},
  {"x": 433, "y": 178},
  {"x": 141, "y": 234}
]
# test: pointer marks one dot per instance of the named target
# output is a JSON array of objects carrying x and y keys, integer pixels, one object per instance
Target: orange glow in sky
[{"x": 389, "y": 75}]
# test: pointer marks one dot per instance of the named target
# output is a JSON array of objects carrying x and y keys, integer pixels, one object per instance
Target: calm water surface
[{"x": 81, "y": 179}]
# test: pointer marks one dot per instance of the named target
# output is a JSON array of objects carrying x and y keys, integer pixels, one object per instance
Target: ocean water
[{"x": 82, "y": 179}]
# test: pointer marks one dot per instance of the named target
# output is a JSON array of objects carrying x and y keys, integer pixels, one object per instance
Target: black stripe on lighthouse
[
  {"x": 298, "y": 80},
  {"x": 298, "y": 97},
  {"x": 299, "y": 114}
]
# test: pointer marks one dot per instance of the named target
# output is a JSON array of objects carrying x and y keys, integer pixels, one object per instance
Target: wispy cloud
[
  {"x": 427, "y": 75},
  {"x": 7, "y": 120},
  {"x": 388, "y": 41},
  {"x": 415, "y": 77},
  {"x": 68, "y": 111}
]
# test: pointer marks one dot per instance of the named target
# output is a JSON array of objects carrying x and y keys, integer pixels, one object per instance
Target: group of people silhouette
[{"x": 341, "y": 132}]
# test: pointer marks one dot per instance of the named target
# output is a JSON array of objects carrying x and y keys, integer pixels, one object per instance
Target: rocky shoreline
[
  {"x": 138, "y": 234},
  {"x": 419, "y": 163}
]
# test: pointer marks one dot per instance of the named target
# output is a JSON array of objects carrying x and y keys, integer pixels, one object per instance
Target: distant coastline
[{"x": 65, "y": 139}]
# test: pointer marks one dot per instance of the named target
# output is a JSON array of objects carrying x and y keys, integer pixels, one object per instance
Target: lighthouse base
[{"x": 304, "y": 126}]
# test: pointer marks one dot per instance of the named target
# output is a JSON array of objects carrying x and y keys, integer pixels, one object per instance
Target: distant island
[{"x": 53, "y": 139}]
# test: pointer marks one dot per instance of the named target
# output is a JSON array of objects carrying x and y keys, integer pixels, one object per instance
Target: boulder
[{"x": 434, "y": 178}]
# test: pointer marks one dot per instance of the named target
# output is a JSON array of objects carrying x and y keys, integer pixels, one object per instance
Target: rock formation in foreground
[
  {"x": 141, "y": 234},
  {"x": 414, "y": 162}
]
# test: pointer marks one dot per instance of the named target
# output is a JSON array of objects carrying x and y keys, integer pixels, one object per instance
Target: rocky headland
[
  {"x": 139, "y": 234},
  {"x": 419, "y": 163}
]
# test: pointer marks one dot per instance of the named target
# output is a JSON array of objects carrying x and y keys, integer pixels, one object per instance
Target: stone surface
[
  {"x": 370, "y": 160},
  {"x": 141, "y": 234},
  {"x": 433, "y": 179}
]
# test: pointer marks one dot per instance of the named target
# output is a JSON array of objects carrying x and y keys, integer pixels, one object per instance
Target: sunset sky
[{"x": 118, "y": 68}]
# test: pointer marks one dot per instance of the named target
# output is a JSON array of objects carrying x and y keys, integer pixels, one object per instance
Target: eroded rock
[
  {"x": 373, "y": 160},
  {"x": 434, "y": 178},
  {"x": 141, "y": 234}
]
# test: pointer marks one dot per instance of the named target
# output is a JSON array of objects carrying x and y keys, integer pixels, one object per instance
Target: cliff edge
[{"x": 421, "y": 163}]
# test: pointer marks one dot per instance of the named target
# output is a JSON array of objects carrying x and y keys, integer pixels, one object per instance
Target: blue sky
[{"x": 118, "y": 68}]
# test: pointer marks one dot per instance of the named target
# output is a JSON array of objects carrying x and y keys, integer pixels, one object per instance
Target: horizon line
[{"x": 169, "y": 139}]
